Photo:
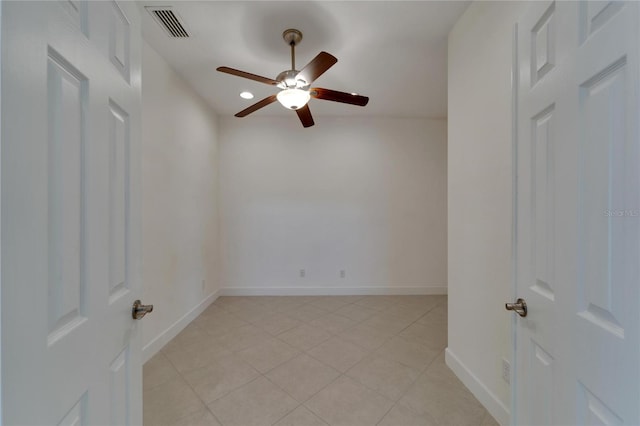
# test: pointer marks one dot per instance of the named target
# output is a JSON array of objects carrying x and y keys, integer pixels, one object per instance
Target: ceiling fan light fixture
[
  {"x": 293, "y": 98},
  {"x": 294, "y": 85}
]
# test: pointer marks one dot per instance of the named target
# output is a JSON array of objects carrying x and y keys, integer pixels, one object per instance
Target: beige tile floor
[{"x": 307, "y": 361}]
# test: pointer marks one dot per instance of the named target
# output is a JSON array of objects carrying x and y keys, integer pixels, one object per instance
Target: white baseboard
[
  {"x": 152, "y": 348},
  {"x": 331, "y": 291},
  {"x": 494, "y": 406}
]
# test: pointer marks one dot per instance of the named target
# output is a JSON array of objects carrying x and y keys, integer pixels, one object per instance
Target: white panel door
[
  {"x": 70, "y": 214},
  {"x": 577, "y": 352}
]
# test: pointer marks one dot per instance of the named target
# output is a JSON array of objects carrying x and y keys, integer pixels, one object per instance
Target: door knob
[
  {"x": 520, "y": 307},
  {"x": 139, "y": 310}
]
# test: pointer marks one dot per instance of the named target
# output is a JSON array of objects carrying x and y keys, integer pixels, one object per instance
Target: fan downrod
[{"x": 292, "y": 37}]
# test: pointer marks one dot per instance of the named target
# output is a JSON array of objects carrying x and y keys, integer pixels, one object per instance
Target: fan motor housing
[{"x": 288, "y": 80}]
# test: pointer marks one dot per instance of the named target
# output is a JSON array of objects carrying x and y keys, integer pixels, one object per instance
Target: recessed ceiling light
[{"x": 246, "y": 95}]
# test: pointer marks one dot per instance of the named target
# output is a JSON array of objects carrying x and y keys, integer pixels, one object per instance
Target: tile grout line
[
  {"x": 341, "y": 374},
  {"x": 206, "y": 406}
]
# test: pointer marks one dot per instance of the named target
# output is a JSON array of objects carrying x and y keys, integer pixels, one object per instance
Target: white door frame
[
  {"x": 1, "y": 123},
  {"x": 514, "y": 214}
]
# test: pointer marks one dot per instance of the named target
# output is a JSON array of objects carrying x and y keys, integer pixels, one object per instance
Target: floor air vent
[{"x": 169, "y": 21}]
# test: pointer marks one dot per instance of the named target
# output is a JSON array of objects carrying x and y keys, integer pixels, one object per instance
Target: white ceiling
[{"x": 395, "y": 52}]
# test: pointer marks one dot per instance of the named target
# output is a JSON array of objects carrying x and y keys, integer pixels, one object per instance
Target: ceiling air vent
[{"x": 168, "y": 20}]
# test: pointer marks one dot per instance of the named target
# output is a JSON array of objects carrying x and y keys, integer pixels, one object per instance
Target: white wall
[
  {"x": 179, "y": 202},
  {"x": 363, "y": 195},
  {"x": 1, "y": 382},
  {"x": 480, "y": 199}
]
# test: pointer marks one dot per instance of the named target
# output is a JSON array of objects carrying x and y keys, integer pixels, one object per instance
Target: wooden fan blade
[
  {"x": 334, "y": 95},
  {"x": 317, "y": 67},
  {"x": 304, "y": 114},
  {"x": 248, "y": 75},
  {"x": 263, "y": 103}
]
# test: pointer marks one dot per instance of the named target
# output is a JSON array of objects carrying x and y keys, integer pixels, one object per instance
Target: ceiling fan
[{"x": 295, "y": 87}]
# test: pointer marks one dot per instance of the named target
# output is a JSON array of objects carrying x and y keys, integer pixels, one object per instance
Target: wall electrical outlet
[
  {"x": 302, "y": 273},
  {"x": 342, "y": 273},
  {"x": 506, "y": 371}
]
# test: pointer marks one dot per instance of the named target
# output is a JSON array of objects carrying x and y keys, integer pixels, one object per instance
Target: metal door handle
[
  {"x": 139, "y": 310},
  {"x": 520, "y": 307}
]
